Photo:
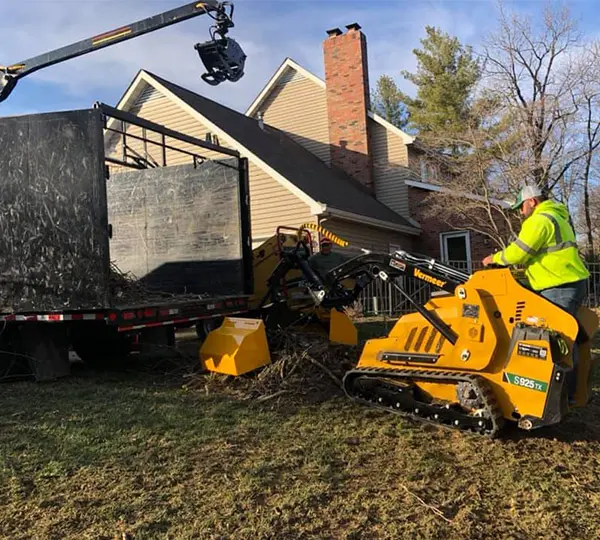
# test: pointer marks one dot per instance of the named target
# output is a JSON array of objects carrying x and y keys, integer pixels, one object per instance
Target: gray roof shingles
[{"x": 322, "y": 183}]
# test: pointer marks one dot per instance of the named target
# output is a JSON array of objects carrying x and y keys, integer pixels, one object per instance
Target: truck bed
[{"x": 181, "y": 231}]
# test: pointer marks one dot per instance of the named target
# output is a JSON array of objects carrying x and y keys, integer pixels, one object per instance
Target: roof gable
[
  {"x": 138, "y": 90},
  {"x": 284, "y": 70}
]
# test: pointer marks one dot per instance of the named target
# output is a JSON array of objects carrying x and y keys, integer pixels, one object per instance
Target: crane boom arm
[{"x": 225, "y": 59}]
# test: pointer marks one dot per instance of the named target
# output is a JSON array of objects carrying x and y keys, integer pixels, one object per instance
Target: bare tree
[
  {"x": 529, "y": 69},
  {"x": 534, "y": 119},
  {"x": 478, "y": 184},
  {"x": 587, "y": 93}
]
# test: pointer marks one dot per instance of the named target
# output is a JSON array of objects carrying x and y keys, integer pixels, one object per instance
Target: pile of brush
[
  {"x": 127, "y": 289},
  {"x": 303, "y": 366}
]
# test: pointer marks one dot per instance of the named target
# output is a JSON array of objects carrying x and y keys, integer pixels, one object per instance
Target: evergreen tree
[
  {"x": 388, "y": 102},
  {"x": 446, "y": 77}
]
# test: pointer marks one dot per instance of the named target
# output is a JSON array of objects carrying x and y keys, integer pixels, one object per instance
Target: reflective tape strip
[
  {"x": 522, "y": 245},
  {"x": 503, "y": 259},
  {"x": 557, "y": 234},
  {"x": 558, "y": 247},
  {"x": 558, "y": 239}
]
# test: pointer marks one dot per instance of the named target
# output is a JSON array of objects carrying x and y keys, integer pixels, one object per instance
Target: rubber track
[{"x": 423, "y": 412}]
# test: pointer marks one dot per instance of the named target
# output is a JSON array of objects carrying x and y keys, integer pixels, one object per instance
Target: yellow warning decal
[
  {"x": 327, "y": 234},
  {"x": 114, "y": 34}
]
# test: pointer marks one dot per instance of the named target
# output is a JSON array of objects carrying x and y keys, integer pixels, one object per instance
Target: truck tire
[
  {"x": 101, "y": 346},
  {"x": 206, "y": 326}
]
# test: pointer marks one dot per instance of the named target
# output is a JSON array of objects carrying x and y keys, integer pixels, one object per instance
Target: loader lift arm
[
  {"x": 369, "y": 266},
  {"x": 398, "y": 264},
  {"x": 222, "y": 56}
]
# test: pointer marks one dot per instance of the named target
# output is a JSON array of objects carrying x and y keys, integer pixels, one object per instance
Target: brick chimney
[{"x": 347, "y": 83}]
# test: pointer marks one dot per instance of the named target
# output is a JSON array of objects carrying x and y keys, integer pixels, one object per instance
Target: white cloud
[
  {"x": 169, "y": 52},
  {"x": 268, "y": 32}
]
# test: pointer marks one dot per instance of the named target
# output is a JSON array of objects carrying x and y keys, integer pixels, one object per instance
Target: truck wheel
[
  {"x": 206, "y": 326},
  {"x": 101, "y": 347}
]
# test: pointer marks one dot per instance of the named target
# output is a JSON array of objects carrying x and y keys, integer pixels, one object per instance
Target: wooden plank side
[
  {"x": 271, "y": 204},
  {"x": 177, "y": 229},
  {"x": 54, "y": 244},
  {"x": 298, "y": 106}
]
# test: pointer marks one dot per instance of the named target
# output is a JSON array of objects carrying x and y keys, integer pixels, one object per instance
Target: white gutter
[{"x": 364, "y": 220}]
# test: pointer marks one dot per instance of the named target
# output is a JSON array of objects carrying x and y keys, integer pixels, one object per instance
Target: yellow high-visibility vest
[{"x": 547, "y": 248}]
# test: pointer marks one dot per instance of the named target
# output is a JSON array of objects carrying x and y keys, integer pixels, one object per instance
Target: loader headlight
[{"x": 223, "y": 59}]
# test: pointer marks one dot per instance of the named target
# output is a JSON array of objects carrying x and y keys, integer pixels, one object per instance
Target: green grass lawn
[{"x": 102, "y": 454}]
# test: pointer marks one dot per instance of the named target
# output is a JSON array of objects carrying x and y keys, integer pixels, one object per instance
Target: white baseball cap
[{"x": 527, "y": 192}]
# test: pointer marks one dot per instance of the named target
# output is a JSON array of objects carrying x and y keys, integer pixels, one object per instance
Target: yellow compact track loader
[{"x": 483, "y": 352}]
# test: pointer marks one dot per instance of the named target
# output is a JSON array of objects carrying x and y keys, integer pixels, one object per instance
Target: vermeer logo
[{"x": 428, "y": 278}]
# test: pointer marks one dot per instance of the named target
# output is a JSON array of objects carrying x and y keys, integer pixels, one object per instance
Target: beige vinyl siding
[
  {"x": 271, "y": 204},
  {"x": 298, "y": 106},
  {"x": 390, "y": 168},
  {"x": 362, "y": 236},
  {"x": 157, "y": 108}
]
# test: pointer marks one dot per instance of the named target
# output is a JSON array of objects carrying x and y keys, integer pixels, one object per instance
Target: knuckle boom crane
[{"x": 222, "y": 56}]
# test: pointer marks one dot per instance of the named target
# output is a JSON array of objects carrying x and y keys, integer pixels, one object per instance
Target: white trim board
[
  {"x": 456, "y": 234},
  {"x": 364, "y": 220}
]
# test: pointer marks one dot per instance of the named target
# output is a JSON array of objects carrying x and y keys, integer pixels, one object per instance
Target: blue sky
[{"x": 268, "y": 30}]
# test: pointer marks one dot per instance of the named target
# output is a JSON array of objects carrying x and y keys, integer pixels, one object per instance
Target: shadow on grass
[
  {"x": 580, "y": 425},
  {"x": 135, "y": 396},
  {"x": 89, "y": 419}
]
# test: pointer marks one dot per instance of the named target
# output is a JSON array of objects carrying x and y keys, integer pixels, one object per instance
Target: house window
[
  {"x": 428, "y": 170},
  {"x": 424, "y": 170},
  {"x": 455, "y": 248}
]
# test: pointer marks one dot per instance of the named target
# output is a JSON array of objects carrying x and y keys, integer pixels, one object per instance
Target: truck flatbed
[
  {"x": 118, "y": 233},
  {"x": 136, "y": 317}
]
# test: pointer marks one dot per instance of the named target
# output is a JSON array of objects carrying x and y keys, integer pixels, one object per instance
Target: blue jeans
[{"x": 568, "y": 297}]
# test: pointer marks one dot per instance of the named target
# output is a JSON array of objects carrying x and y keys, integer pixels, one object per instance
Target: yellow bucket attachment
[
  {"x": 342, "y": 329},
  {"x": 237, "y": 347}
]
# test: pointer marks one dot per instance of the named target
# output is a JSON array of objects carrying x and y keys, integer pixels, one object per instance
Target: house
[{"x": 317, "y": 153}]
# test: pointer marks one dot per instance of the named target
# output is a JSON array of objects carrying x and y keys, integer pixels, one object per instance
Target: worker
[
  {"x": 547, "y": 248},
  {"x": 326, "y": 259}
]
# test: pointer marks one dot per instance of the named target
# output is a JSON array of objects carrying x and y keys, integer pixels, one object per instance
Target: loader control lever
[{"x": 222, "y": 56}]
